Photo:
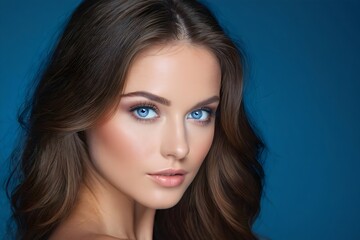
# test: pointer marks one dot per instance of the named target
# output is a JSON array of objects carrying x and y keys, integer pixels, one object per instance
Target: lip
[{"x": 169, "y": 177}]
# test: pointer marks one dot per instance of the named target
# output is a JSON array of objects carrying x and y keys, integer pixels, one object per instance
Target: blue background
[{"x": 303, "y": 95}]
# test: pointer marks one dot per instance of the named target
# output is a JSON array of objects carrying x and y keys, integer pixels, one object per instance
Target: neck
[
  {"x": 144, "y": 222},
  {"x": 114, "y": 214}
]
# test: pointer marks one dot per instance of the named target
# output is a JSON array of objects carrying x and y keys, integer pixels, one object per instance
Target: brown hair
[{"x": 82, "y": 84}]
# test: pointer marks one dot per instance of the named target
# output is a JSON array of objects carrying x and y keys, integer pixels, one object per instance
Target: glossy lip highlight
[{"x": 168, "y": 177}]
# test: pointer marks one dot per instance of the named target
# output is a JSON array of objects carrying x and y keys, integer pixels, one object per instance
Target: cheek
[
  {"x": 200, "y": 143},
  {"x": 114, "y": 147}
]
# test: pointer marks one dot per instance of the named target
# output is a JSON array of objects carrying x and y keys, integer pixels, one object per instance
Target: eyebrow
[
  {"x": 150, "y": 96},
  {"x": 207, "y": 101},
  {"x": 165, "y": 101}
]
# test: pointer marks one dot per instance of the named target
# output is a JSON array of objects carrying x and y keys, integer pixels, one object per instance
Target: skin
[{"x": 145, "y": 135}]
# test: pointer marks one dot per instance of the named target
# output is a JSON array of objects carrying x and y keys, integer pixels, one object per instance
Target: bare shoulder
[
  {"x": 83, "y": 236},
  {"x": 73, "y": 231},
  {"x": 106, "y": 237},
  {"x": 81, "y": 227},
  {"x": 103, "y": 237}
]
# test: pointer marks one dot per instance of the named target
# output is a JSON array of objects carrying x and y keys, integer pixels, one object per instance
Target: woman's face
[{"x": 152, "y": 147}]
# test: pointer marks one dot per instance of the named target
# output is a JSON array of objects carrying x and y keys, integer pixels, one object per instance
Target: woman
[{"x": 137, "y": 130}]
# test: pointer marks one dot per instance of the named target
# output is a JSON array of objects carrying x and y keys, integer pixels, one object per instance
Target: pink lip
[{"x": 169, "y": 177}]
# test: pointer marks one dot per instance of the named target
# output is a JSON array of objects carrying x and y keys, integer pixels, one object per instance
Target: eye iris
[
  {"x": 142, "y": 112},
  {"x": 196, "y": 114}
]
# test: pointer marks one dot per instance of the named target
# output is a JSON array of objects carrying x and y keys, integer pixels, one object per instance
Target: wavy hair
[{"x": 82, "y": 83}]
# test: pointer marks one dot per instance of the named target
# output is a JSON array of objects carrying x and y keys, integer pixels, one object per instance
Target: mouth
[{"x": 168, "y": 178}]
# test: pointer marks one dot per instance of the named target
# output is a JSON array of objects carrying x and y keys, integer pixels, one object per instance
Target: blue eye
[
  {"x": 201, "y": 115},
  {"x": 144, "y": 112}
]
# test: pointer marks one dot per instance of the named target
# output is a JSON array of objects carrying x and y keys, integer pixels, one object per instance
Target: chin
[
  {"x": 167, "y": 205},
  {"x": 162, "y": 202}
]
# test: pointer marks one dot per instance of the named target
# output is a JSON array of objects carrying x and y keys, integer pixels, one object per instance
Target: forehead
[{"x": 174, "y": 71}]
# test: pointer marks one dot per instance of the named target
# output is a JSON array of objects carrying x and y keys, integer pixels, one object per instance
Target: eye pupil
[
  {"x": 196, "y": 114},
  {"x": 143, "y": 112}
]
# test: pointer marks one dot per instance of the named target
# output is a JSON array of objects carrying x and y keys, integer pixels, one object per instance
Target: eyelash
[
  {"x": 209, "y": 111},
  {"x": 153, "y": 107},
  {"x": 144, "y": 105}
]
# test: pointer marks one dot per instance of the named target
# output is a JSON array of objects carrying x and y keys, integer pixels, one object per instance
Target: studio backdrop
[{"x": 302, "y": 93}]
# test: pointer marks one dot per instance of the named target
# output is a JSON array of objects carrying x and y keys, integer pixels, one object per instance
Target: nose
[{"x": 175, "y": 143}]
